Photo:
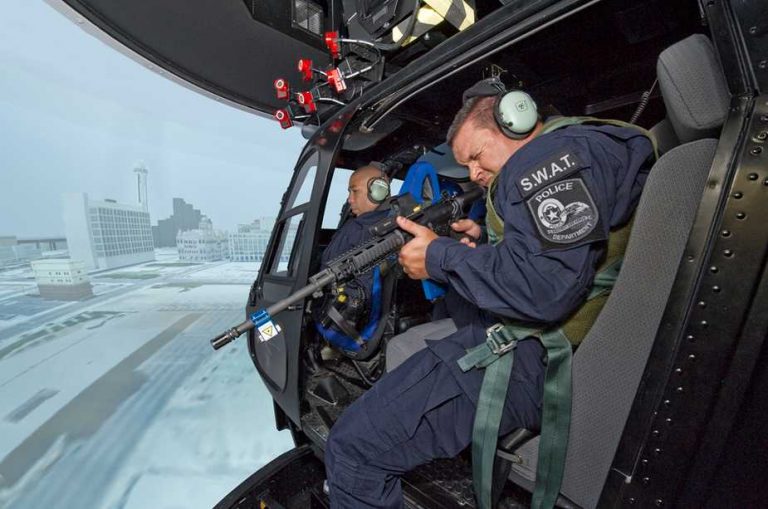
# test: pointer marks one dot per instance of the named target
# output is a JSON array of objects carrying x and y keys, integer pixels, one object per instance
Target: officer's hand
[
  {"x": 413, "y": 255},
  {"x": 469, "y": 228}
]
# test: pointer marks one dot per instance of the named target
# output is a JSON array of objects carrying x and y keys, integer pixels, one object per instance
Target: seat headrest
[{"x": 694, "y": 88}]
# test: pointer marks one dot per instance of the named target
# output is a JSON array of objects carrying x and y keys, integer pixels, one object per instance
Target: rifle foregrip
[{"x": 372, "y": 256}]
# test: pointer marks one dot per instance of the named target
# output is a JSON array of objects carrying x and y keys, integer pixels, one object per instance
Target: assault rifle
[{"x": 387, "y": 239}]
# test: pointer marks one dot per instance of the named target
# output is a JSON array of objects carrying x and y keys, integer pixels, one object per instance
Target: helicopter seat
[
  {"x": 682, "y": 87},
  {"x": 609, "y": 364}
]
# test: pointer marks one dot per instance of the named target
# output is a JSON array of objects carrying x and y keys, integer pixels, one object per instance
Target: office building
[
  {"x": 106, "y": 234},
  {"x": 250, "y": 241},
  {"x": 46, "y": 244},
  {"x": 62, "y": 279},
  {"x": 12, "y": 252},
  {"x": 185, "y": 217},
  {"x": 202, "y": 244}
]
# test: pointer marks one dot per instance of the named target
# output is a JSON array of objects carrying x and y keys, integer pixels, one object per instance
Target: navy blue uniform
[
  {"x": 559, "y": 196},
  {"x": 352, "y": 233}
]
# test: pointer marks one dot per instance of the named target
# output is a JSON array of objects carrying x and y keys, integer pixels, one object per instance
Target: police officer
[
  {"x": 368, "y": 189},
  {"x": 347, "y": 322},
  {"x": 557, "y": 194}
]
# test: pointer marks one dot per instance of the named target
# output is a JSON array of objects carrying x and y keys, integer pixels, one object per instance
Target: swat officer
[
  {"x": 368, "y": 189},
  {"x": 556, "y": 194},
  {"x": 343, "y": 317}
]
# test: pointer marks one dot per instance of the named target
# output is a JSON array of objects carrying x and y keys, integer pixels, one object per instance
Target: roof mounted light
[
  {"x": 284, "y": 118},
  {"x": 307, "y": 100},
  {"x": 282, "y": 89},
  {"x": 332, "y": 42},
  {"x": 305, "y": 68}
]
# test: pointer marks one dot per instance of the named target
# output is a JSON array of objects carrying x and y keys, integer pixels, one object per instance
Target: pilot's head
[
  {"x": 478, "y": 143},
  {"x": 359, "y": 202}
]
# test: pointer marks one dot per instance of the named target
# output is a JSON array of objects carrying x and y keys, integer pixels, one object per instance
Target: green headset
[
  {"x": 515, "y": 111},
  {"x": 378, "y": 187}
]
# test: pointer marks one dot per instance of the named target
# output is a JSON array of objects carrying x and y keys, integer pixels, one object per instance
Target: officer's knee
[{"x": 403, "y": 346}]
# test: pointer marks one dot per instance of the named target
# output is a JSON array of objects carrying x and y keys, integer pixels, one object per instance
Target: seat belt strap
[
  {"x": 496, "y": 356},
  {"x": 605, "y": 279},
  {"x": 555, "y": 420},
  {"x": 342, "y": 323},
  {"x": 485, "y": 431}
]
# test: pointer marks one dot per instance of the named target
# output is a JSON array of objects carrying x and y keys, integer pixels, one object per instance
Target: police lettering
[
  {"x": 547, "y": 172},
  {"x": 554, "y": 189}
]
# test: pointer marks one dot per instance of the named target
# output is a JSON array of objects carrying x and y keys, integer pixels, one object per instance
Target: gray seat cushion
[
  {"x": 693, "y": 87},
  {"x": 402, "y": 346},
  {"x": 608, "y": 365},
  {"x": 666, "y": 139}
]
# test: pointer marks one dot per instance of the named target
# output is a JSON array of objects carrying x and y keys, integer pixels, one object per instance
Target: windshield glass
[{"x": 134, "y": 215}]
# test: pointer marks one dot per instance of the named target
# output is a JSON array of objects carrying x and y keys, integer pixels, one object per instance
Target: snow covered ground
[
  {"x": 119, "y": 401},
  {"x": 236, "y": 272}
]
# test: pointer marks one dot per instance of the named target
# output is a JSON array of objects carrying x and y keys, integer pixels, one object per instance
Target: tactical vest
[
  {"x": 496, "y": 357},
  {"x": 579, "y": 323}
]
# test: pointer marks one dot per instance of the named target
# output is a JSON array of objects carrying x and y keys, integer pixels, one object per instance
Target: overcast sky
[{"x": 77, "y": 115}]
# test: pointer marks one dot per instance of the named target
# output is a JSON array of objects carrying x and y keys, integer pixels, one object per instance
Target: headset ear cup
[
  {"x": 515, "y": 113},
  {"x": 378, "y": 190}
]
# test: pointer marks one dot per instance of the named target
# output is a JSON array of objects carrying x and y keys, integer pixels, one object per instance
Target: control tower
[{"x": 141, "y": 174}]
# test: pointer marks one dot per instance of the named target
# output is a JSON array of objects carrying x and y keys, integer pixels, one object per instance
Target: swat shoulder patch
[
  {"x": 565, "y": 213},
  {"x": 554, "y": 168}
]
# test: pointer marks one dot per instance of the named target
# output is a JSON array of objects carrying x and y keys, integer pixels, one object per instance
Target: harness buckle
[{"x": 498, "y": 341}]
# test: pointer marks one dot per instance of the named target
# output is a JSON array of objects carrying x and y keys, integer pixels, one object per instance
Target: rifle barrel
[{"x": 350, "y": 266}]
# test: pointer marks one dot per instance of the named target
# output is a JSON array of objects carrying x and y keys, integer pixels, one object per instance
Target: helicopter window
[
  {"x": 283, "y": 263},
  {"x": 308, "y": 15},
  {"x": 301, "y": 190},
  {"x": 337, "y": 197},
  {"x": 338, "y": 193}
]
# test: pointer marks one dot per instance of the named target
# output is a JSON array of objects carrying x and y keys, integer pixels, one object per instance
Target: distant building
[
  {"x": 250, "y": 242},
  {"x": 46, "y": 244},
  {"x": 202, "y": 244},
  {"x": 185, "y": 217},
  {"x": 12, "y": 252},
  {"x": 62, "y": 279},
  {"x": 106, "y": 234}
]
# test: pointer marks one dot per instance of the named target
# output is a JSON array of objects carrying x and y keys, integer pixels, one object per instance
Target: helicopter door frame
[{"x": 277, "y": 360}]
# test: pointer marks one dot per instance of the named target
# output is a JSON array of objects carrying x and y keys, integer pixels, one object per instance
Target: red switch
[
  {"x": 282, "y": 89},
  {"x": 332, "y": 41},
  {"x": 284, "y": 118},
  {"x": 306, "y": 100},
  {"x": 305, "y": 68},
  {"x": 336, "y": 80}
]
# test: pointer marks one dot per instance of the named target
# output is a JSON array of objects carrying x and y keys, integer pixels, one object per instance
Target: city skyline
[
  {"x": 79, "y": 117},
  {"x": 109, "y": 386}
]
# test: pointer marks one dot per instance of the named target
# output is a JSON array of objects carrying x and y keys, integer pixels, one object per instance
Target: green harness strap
[
  {"x": 555, "y": 419},
  {"x": 496, "y": 356}
]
